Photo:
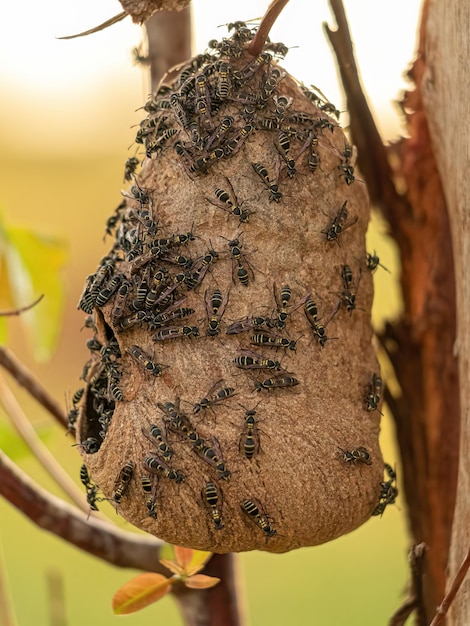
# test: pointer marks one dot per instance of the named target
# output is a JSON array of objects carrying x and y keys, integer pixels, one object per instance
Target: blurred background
[{"x": 66, "y": 116}]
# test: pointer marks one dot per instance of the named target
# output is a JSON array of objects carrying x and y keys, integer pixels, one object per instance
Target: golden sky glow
[{"x": 80, "y": 87}]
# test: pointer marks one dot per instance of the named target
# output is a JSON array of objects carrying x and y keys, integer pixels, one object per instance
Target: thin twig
[
  {"x": 21, "y": 309},
  {"x": 372, "y": 154},
  {"x": 7, "y": 616},
  {"x": 30, "y": 437},
  {"x": 26, "y": 379},
  {"x": 444, "y": 606},
  {"x": 416, "y": 558},
  {"x": 415, "y": 602},
  {"x": 265, "y": 26},
  {"x": 94, "y": 536},
  {"x": 113, "y": 20}
]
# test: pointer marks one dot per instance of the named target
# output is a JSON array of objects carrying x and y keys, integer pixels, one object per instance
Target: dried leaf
[
  {"x": 201, "y": 581},
  {"x": 139, "y": 592}
]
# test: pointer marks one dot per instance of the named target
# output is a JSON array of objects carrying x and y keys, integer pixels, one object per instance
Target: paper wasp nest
[{"x": 232, "y": 396}]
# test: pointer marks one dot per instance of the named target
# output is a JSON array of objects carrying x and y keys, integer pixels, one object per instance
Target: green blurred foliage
[{"x": 30, "y": 265}]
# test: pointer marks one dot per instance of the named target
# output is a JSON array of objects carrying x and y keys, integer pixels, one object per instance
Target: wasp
[
  {"x": 239, "y": 270},
  {"x": 283, "y": 307},
  {"x": 176, "y": 332},
  {"x": 181, "y": 423},
  {"x": 130, "y": 167},
  {"x": 313, "y": 158},
  {"x": 172, "y": 312},
  {"x": 319, "y": 330},
  {"x": 157, "y": 435},
  {"x": 114, "y": 390},
  {"x": 214, "y": 398},
  {"x": 269, "y": 85},
  {"x": 249, "y": 323},
  {"x": 215, "y": 307},
  {"x": 128, "y": 322},
  {"x": 347, "y": 296},
  {"x": 275, "y": 195},
  {"x": 249, "y": 441},
  {"x": 373, "y": 262},
  {"x": 273, "y": 341},
  {"x": 149, "y": 487},
  {"x": 120, "y": 301},
  {"x": 212, "y": 454},
  {"x": 89, "y": 445},
  {"x": 90, "y": 488},
  {"x": 283, "y": 147},
  {"x": 87, "y": 300},
  {"x": 347, "y": 170},
  {"x": 229, "y": 203},
  {"x": 276, "y": 382},
  {"x": 338, "y": 225},
  {"x": 122, "y": 482},
  {"x": 251, "y": 360},
  {"x": 144, "y": 360},
  {"x": 234, "y": 145},
  {"x": 178, "y": 110},
  {"x": 211, "y": 498},
  {"x": 278, "y": 49},
  {"x": 155, "y": 465},
  {"x": 105, "y": 294},
  {"x": 198, "y": 275},
  {"x": 375, "y": 394},
  {"x": 358, "y": 454},
  {"x": 220, "y": 131},
  {"x": 388, "y": 492},
  {"x": 253, "y": 509}
]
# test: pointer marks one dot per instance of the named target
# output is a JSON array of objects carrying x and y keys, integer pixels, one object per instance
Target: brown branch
[
  {"x": 22, "y": 309},
  {"x": 28, "y": 434},
  {"x": 271, "y": 15},
  {"x": 26, "y": 379},
  {"x": 218, "y": 606},
  {"x": 443, "y": 608},
  {"x": 169, "y": 42},
  {"x": 415, "y": 602},
  {"x": 98, "y": 538},
  {"x": 372, "y": 154}
]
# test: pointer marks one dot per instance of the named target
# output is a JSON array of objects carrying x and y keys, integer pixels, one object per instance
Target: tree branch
[
  {"x": 372, "y": 154},
  {"x": 421, "y": 345},
  {"x": 98, "y": 538},
  {"x": 26, "y": 379},
  {"x": 169, "y": 42}
]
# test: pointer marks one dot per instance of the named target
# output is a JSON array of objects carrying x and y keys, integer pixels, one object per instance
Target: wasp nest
[{"x": 232, "y": 396}]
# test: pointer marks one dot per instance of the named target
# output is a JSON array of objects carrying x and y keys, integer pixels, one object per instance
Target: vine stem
[{"x": 265, "y": 26}]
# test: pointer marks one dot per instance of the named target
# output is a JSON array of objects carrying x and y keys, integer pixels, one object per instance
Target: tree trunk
[{"x": 445, "y": 88}]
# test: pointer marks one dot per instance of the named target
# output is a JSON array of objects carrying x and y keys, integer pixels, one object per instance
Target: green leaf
[{"x": 30, "y": 265}]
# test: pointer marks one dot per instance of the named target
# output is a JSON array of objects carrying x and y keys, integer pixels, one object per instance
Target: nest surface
[{"x": 232, "y": 395}]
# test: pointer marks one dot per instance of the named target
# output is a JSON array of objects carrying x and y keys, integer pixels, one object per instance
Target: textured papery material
[
  {"x": 142, "y": 10},
  {"x": 265, "y": 400}
]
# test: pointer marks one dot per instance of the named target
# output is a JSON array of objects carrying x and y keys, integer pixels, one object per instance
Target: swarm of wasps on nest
[{"x": 148, "y": 298}]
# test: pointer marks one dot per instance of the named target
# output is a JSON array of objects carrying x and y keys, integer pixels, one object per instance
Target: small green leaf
[{"x": 139, "y": 592}]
